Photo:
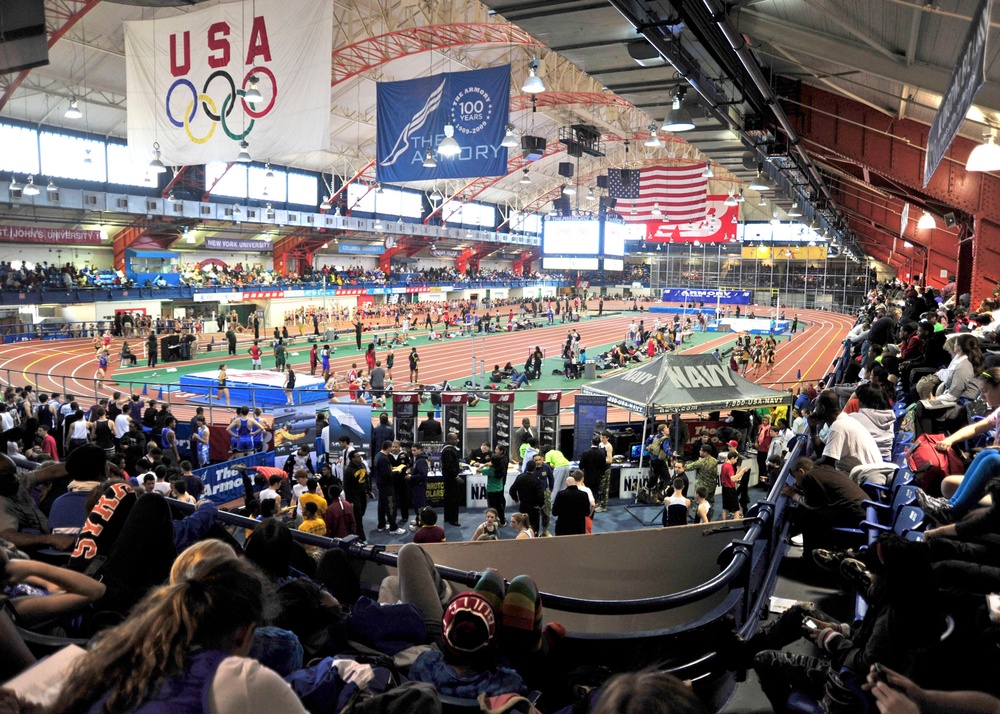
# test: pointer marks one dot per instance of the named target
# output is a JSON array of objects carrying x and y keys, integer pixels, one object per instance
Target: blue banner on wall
[
  {"x": 727, "y": 297},
  {"x": 357, "y": 249},
  {"x": 224, "y": 483},
  {"x": 590, "y": 415},
  {"x": 412, "y": 115}
]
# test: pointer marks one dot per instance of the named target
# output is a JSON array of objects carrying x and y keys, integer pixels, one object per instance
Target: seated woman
[
  {"x": 126, "y": 354},
  {"x": 508, "y": 370},
  {"x": 941, "y": 412},
  {"x": 184, "y": 644},
  {"x": 964, "y": 492}
]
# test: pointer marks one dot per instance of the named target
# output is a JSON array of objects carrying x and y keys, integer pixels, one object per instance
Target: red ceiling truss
[
  {"x": 60, "y": 17},
  {"x": 359, "y": 57}
]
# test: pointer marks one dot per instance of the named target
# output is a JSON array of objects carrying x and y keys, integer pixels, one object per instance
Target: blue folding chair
[{"x": 68, "y": 515}]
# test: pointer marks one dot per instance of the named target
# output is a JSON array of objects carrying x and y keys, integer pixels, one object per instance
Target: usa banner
[
  {"x": 188, "y": 77},
  {"x": 412, "y": 115}
]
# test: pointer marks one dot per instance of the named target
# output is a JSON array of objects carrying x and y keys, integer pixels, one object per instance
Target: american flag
[{"x": 680, "y": 192}]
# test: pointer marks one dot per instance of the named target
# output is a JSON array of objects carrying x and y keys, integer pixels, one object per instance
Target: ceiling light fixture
[
  {"x": 763, "y": 201},
  {"x": 270, "y": 174},
  {"x": 30, "y": 189},
  {"x": 237, "y": 211},
  {"x": 156, "y": 166},
  {"x": 731, "y": 199},
  {"x": 253, "y": 94},
  {"x": 244, "y": 156},
  {"x": 794, "y": 212},
  {"x": 510, "y": 138},
  {"x": 590, "y": 195},
  {"x": 269, "y": 212},
  {"x": 87, "y": 161},
  {"x": 678, "y": 118},
  {"x": 568, "y": 190},
  {"x": 14, "y": 185},
  {"x": 378, "y": 224},
  {"x": 907, "y": 244},
  {"x": 73, "y": 110},
  {"x": 759, "y": 184},
  {"x": 708, "y": 173},
  {"x": 436, "y": 195},
  {"x": 985, "y": 157},
  {"x": 926, "y": 222},
  {"x": 378, "y": 189},
  {"x": 325, "y": 205},
  {"x": 525, "y": 179},
  {"x": 653, "y": 142},
  {"x": 656, "y": 210},
  {"x": 448, "y": 147},
  {"x": 52, "y": 188},
  {"x": 739, "y": 198},
  {"x": 429, "y": 161},
  {"x": 533, "y": 84}
]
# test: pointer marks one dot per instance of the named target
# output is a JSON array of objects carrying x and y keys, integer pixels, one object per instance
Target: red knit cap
[{"x": 469, "y": 624}]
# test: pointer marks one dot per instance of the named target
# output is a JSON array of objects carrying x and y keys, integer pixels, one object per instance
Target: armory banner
[
  {"x": 187, "y": 77},
  {"x": 412, "y": 115}
]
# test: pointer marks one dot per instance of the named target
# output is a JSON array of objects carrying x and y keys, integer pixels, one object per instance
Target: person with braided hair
[{"x": 184, "y": 644}]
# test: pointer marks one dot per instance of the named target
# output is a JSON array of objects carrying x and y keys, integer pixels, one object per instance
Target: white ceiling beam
[
  {"x": 808, "y": 42},
  {"x": 837, "y": 19}
]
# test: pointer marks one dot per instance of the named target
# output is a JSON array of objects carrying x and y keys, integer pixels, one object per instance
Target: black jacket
[
  {"x": 450, "y": 458},
  {"x": 593, "y": 463},
  {"x": 528, "y": 490},
  {"x": 571, "y": 508}
]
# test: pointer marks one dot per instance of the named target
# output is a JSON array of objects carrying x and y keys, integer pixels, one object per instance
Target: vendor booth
[{"x": 679, "y": 383}]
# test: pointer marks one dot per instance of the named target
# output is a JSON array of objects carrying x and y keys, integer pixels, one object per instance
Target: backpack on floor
[{"x": 930, "y": 466}]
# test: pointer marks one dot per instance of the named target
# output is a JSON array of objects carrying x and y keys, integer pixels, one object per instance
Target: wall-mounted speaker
[
  {"x": 566, "y": 169},
  {"x": 949, "y": 220},
  {"x": 23, "y": 39}
]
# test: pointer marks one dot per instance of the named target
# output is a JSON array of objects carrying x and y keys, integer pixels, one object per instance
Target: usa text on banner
[
  {"x": 187, "y": 77},
  {"x": 412, "y": 115}
]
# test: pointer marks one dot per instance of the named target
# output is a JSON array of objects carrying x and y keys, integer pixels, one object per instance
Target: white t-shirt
[
  {"x": 297, "y": 491},
  {"x": 245, "y": 686},
  {"x": 850, "y": 444},
  {"x": 590, "y": 494},
  {"x": 268, "y": 494},
  {"x": 121, "y": 425},
  {"x": 162, "y": 487}
]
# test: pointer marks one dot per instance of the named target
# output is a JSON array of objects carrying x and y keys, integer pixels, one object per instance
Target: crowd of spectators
[
  {"x": 348, "y": 276},
  {"x": 922, "y": 366},
  {"x": 45, "y": 275}
]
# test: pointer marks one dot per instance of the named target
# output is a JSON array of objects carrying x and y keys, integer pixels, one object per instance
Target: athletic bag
[{"x": 930, "y": 466}]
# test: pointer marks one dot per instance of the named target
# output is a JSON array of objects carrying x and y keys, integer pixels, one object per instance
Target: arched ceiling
[{"x": 890, "y": 57}]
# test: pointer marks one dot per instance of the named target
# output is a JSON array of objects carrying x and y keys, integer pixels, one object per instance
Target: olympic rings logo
[{"x": 216, "y": 114}]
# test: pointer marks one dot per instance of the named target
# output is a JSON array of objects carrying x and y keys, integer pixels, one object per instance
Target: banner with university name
[
  {"x": 62, "y": 236},
  {"x": 187, "y": 77},
  {"x": 412, "y": 115},
  {"x": 239, "y": 244}
]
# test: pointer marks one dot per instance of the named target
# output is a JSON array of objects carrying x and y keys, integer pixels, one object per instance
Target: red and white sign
[
  {"x": 406, "y": 398},
  {"x": 351, "y": 291},
  {"x": 61, "y": 236},
  {"x": 718, "y": 226},
  {"x": 263, "y": 294},
  {"x": 501, "y": 397},
  {"x": 454, "y": 398}
]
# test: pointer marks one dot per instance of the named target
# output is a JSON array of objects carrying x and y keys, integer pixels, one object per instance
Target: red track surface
[{"x": 68, "y": 366}]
